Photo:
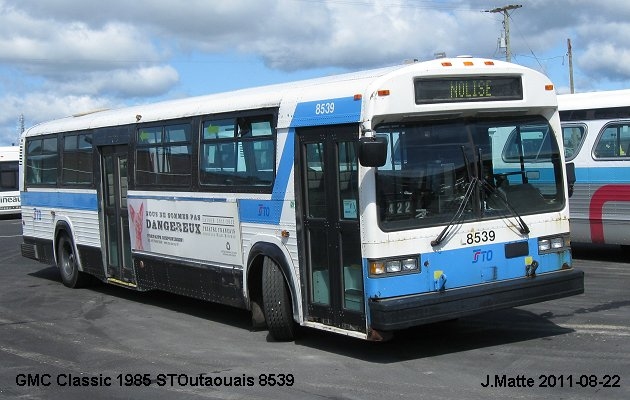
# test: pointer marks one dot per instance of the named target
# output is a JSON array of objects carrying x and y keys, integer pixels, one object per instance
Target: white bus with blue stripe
[
  {"x": 360, "y": 204},
  {"x": 9, "y": 187},
  {"x": 596, "y": 130}
]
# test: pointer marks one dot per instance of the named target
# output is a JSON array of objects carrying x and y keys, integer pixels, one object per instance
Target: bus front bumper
[{"x": 404, "y": 312}]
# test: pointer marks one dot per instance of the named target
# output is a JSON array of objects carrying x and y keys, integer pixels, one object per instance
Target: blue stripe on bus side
[
  {"x": 269, "y": 211},
  {"x": 177, "y": 198},
  {"x": 74, "y": 201},
  {"x": 342, "y": 110},
  {"x": 596, "y": 174},
  {"x": 311, "y": 113}
]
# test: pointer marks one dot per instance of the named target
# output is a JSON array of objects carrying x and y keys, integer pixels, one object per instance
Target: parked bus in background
[
  {"x": 360, "y": 204},
  {"x": 596, "y": 131},
  {"x": 9, "y": 188}
]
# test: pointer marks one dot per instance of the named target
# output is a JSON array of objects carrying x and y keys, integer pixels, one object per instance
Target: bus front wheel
[
  {"x": 67, "y": 263},
  {"x": 277, "y": 302}
]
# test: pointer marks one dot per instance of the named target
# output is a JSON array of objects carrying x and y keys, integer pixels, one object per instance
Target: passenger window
[
  {"x": 9, "y": 176},
  {"x": 163, "y": 155},
  {"x": 238, "y": 154},
  {"x": 573, "y": 136},
  {"x": 531, "y": 142},
  {"x": 613, "y": 142},
  {"x": 42, "y": 159},
  {"x": 77, "y": 159}
]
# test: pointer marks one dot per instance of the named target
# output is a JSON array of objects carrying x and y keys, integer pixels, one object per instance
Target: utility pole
[
  {"x": 506, "y": 26},
  {"x": 20, "y": 126},
  {"x": 570, "y": 54}
]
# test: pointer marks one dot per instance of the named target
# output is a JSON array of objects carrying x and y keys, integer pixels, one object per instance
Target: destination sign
[{"x": 460, "y": 89}]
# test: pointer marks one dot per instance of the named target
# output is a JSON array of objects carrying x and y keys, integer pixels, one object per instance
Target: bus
[
  {"x": 596, "y": 131},
  {"x": 9, "y": 187},
  {"x": 361, "y": 204}
]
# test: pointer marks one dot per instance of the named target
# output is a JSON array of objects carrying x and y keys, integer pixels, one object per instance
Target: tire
[
  {"x": 67, "y": 264},
  {"x": 277, "y": 302}
]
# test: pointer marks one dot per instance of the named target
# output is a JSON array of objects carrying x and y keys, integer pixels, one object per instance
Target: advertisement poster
[{"x": 196, "y": 230}]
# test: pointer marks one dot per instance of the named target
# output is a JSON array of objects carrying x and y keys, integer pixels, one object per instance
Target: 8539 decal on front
[{"x": 479, "y": 237}]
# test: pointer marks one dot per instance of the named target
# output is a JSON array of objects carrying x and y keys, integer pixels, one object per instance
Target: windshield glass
[{"x": 434, "y": 168}]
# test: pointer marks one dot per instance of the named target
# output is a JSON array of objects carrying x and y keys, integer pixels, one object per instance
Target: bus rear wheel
[
  {"x": 277, "y": 302},
  {"x": 68, "y": 266}
]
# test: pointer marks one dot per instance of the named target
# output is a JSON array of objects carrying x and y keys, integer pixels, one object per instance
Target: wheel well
[
  {"x": 254, "y": 279},
  {"x": 254, "y": 274},
  {"x": 62, "y": 228}
]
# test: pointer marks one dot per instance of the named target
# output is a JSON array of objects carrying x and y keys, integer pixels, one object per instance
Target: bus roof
[
  {"x": 9, "y": 153},
  {"x": 344, "y": 85},
  {"x": 590, "y": 100},
  {"x": 9, "y": 149}
]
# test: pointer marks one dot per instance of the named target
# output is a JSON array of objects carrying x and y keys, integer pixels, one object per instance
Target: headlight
[
  {"x": 392, "y": 266},
  {"x": 554, "y": 244},
  {"x": 557, "y": 243},
  {"x": 410, "y": 264},
  {"x": 543, "y": 245}
]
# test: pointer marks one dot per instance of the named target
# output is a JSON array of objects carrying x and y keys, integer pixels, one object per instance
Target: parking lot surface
[{"x": 109, "y": 342}]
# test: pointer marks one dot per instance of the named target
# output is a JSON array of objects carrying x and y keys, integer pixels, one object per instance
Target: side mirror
[
  {"x": 570, "y": 170},
  {"x": 372, "y": 151}
]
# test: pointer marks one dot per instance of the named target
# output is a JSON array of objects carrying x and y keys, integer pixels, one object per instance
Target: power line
[{"x": 419, "y": 4}]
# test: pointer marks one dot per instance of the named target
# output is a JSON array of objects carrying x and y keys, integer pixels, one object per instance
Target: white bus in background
[
  {"x": 360, "y": 204},
  {"x": 596, "y": 131},
  {"x": 9, "y": 187}
]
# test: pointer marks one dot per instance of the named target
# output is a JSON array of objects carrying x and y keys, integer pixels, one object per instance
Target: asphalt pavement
[{"x": 112, "y": 343}]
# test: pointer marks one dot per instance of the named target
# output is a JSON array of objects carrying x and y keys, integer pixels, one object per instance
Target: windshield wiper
[
  {"x": 473, "y": 183},
  {"x": 522, "y": 226},
  {"x": 457, "y": 216},
  {"x": 460, "y": 210}
]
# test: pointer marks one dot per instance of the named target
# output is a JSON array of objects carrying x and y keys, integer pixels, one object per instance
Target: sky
[{"x": 63, "y": 57}]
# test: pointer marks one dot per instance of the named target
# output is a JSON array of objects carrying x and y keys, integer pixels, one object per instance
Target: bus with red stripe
[{"x": 596, "y": 135}]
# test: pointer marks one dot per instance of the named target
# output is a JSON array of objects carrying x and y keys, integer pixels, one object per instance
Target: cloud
[
  {"x": 372, "y": 34},
  {"x": 603, "y": 52},
  {"x": 118, "y": 52},
  {"x": 37, "y": 107},
  {"x": 122, "y": 83},
  {"x": 287, "y": 34},
  {"x": 53, "y": 48}
]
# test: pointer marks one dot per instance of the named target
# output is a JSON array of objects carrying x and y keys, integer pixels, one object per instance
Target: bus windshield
[{"x": 473, "y": 168}]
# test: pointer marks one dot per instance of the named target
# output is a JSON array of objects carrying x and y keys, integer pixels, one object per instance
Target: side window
[
  {"x": 77, "y": 159},
  {"x": 573, "y": 136},
  {"x": 613, "y": 142},
  {"x": 238, "y": 153},
  {"x": 42, "y": 159},
  {"x": 8, "y": 176},
  {"x": 348, "y": 181},
  {"x": 531, "y": 142},
  {"x": 163, "y": 155},
  {"x": 218, "y": 153}
]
